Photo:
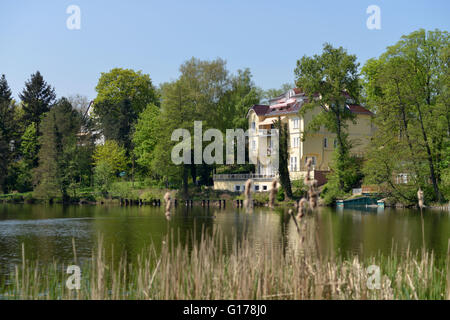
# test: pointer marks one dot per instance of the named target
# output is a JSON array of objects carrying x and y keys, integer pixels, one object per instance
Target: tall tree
[
  {"x": 122, "y": 94},
  {"x": 330, "y": 81},
  {"x": 37, "y": 98},
  {"x": 408, "y": 85},
  {"x": 7, "y": 124},
  {"x": 145, "y": 137},
  {"x": 176, "y": 113},
  {"x": 283, "y": 155},
  {"x": 56, "y": 171}
]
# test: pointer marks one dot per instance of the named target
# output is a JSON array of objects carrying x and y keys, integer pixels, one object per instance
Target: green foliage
[
  {"x": 280, "y": 194},
  {"x": 119, "y": 84},
  {"x": 113, "y": 154},
  {"x": 57, "y": 170},
  {"x": 37, "y": 98},
  {"x": 121, "y": 189},
  {"x": 122, "y": 94},
  {"x": 20, "y": 176},
  {"x": 332, "y": 192},
  {"x": 407, "y": 86},
  {"x": 30, "y": 144},
  {"x": 345, "y": 174},
  {"x": 330, "y": 80},
  {"x": 299, "y": 188},
  {"x": 104, "y": 176},
  {"x": 145, "y": 136},
  {"x": 283, "y": 155},
  {"x": 7, "y": 127}
]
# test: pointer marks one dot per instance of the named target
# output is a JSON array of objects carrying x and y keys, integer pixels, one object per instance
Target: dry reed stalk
[
  {"x": 448, "y": 270},
  {"x": 273, "y": 194},
  {"x": 247, "y": 271},
  {"x": 420, "y": 198},
  {"x": 248, "y": 203}
]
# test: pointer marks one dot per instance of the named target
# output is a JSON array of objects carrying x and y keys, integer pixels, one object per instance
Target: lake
[{"x": 47, "y": 231}]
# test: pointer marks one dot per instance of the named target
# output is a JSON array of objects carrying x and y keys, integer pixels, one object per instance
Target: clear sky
[{"x": 157, "y": 36}]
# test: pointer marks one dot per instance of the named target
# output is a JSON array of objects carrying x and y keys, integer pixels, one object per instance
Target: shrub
[{"x": 280, "y": 194}]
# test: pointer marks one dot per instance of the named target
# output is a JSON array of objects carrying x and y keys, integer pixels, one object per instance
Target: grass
[{"x": 212, "y": 268}]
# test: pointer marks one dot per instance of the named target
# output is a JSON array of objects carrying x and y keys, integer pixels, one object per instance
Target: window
[
  {"x": 325, "y": 142},
  {"x": 295, "y": 123},
  {"x": 335, "y": 143},
  {"x": 402, "y": 178},
  {"x": 293, "y": 163},
  {"x": 295, "y": 142},
  {"x": 313, "y": 161},
  {"x": 256, "y": 187},
  {"x": 253, "y": 125},
  {"x": 237, "y": 188},
  {"x": 264, "y": 188},
  {"x": 253, "y": 145}
]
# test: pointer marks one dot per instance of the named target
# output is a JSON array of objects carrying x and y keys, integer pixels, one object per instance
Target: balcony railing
[{"x": 242, "y": 176}]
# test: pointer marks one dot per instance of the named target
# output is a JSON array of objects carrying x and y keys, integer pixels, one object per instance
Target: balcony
[{"x": 242, "y": 176}]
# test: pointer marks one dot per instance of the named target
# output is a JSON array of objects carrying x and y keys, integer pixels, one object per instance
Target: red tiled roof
[
  {"x": 260, "y": 109},
  {"x": 356, "y": 108}
]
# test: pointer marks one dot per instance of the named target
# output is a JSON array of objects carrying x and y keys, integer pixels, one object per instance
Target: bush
[
  {"x": 103, "y": 177},
  {"x": 280, "y": 194},
  {"x": 299, "y": 188},
  {"x": 122, "y": 190},
  {"x": 331, "y": 192}
]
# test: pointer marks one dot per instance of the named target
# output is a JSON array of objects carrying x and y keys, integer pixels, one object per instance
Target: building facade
[{"x": 318, "y": 146}]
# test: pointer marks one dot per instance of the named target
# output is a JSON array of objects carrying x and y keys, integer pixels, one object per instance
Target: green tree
[
  {"x": 175, "y": 113},
  {"x": 240, "y": 96},
  {"x": 122, "y": 94},
  {"x": 37, "y": 98},
  {"x": 331, "y": 81},
  {"x": 7, "y": 124},
  {"x": 283, "y": 155},
  {"x": 408, "y": 86},
  {"x": 113, "y": 154},
  {"x": 104, "y": 176},
  {"x": 30, "y": 145},
  {"x": 145, "y": 136},
  {"x": 57, "y": 172}
]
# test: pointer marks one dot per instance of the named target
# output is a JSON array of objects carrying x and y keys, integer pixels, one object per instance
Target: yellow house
[{"x": 318, "y": 146}]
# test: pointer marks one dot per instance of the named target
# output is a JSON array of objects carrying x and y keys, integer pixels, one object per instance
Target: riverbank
[{"x": 123, "y": 193}]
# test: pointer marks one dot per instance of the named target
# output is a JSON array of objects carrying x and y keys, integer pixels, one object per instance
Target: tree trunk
[
  {"x": 185, "y": 179},
  {"x": 430, "y": 157}
]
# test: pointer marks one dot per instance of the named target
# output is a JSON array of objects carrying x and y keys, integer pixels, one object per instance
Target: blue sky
[{"x": 157, "y": 36}]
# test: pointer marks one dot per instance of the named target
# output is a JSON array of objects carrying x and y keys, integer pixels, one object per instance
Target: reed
[
  {"x": 213, "y": 269},
  {"x": 273, "y": 193}
]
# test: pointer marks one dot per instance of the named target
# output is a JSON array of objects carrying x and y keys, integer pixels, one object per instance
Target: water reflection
[{"x": 47, "y": 231}]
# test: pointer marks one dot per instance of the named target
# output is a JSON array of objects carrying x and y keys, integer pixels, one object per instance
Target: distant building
[{"x": 318, "y": 146}]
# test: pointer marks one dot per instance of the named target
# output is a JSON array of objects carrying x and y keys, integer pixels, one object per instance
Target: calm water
[{"x": 47, "y": 231}]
